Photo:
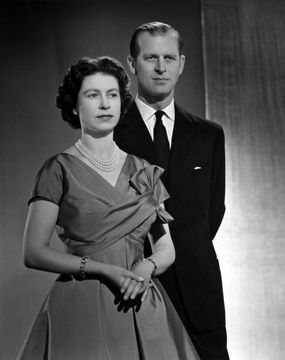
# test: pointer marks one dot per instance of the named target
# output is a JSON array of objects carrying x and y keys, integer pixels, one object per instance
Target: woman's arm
[
  {"x": 163, "y": 251},
  {"x": 163, "y": 254},
  {"x": 38, "y": 254},
  {"x": 162, "y": 257}
]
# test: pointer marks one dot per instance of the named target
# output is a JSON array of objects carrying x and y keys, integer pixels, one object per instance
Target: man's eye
[
  {"x": 151, "y": 57},
  {"x": 170, "y": 57}
]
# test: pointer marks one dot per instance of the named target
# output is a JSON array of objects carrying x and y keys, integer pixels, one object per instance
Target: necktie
[{"x": 161, "y": 143}]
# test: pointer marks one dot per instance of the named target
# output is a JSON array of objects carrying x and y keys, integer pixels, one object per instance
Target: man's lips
[{"x": 160, "y": 79}]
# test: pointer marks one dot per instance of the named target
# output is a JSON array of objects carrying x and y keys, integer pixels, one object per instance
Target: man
[{"x": 192, "y": 152}]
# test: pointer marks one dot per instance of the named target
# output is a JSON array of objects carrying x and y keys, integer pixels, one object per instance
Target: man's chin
[
  {"x": 153, "y": 96},
  {"x": 162, "y": 95}
]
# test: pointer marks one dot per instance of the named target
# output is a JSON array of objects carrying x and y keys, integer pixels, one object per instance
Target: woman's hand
[
  {"x": 143, "y": 268},
  {"x": 131, "y": 290},
  {"x": 122, "y": 278},
  {"x": 131, "y": 283}
]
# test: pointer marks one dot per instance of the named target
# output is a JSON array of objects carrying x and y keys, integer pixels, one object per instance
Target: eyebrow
[
  {"x": 98, "y": 90},
  {"x": 155, "y": 54}
]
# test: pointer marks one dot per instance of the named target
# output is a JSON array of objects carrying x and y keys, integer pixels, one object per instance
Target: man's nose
[
  {"x": 104, "y": 104},
  {"x": 160, "y": 66}
]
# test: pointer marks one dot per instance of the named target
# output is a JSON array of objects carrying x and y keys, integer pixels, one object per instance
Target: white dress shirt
[{"x": 148, "y": 115}]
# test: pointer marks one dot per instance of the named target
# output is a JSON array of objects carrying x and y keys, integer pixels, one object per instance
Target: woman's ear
[{"x": 132, "y": 65}]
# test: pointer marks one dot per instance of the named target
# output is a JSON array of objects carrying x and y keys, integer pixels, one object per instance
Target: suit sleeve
[{"x": 217, "y": 203}]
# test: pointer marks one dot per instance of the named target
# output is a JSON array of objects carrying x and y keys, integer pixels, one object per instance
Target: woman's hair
[{"x": 67, "y": 96}]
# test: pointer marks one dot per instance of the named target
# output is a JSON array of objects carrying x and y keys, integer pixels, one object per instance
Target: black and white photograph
[{"x": 142, "y": 180}]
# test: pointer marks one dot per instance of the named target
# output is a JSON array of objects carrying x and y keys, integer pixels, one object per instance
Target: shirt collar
[{"x": 147, "y": 111}]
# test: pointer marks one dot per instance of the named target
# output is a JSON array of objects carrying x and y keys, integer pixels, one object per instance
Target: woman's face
[{"x": 99, "y": 103}]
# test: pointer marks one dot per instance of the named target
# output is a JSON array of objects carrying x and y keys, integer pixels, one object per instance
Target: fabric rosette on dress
[{"x": 146, "y": 181}]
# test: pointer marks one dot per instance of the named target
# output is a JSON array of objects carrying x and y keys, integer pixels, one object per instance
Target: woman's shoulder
[
  {"x": 53, "y": 159},
  {"x": 54, "y": 163}
]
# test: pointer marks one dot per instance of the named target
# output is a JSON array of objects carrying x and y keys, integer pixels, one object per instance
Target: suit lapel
[
  {"x": 132, "y": 135},
  {"x": 182, "y": 148}
]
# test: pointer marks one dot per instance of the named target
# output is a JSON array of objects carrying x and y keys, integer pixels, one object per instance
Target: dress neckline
[{"x": 96, "y": 172}]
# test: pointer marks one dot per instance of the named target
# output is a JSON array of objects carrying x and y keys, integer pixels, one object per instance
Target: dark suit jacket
[{"x": 196, "y": 183}]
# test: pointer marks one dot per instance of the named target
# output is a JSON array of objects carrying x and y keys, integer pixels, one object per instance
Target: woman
[{"x": 106, "y": 304}]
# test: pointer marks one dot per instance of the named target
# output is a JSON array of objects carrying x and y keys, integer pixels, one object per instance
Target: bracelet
[
  {"x": 82, "y": 270},
  {"x": 148, "y": 259},
  {"x": 154, "y": 266}
]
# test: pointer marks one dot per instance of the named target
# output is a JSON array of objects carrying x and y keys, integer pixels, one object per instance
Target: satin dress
[{"x": 88, "y": 319}]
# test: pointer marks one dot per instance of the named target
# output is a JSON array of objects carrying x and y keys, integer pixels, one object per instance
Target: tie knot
[{"x": 159, "y": 114}]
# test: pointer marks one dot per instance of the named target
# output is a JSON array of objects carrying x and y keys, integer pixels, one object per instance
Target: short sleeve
[{"x": 48, "y": 184}]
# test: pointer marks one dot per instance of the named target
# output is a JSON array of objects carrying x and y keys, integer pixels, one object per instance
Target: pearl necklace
[{"x": 96, "y": 161}]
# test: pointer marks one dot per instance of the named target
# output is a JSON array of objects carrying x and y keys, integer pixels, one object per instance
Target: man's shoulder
[
  {"x": 195, "y": 120},
  {"x": 131, "y": 112}
]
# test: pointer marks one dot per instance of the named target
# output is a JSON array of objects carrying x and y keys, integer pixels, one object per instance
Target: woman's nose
[{"x": 104, "y": 103}]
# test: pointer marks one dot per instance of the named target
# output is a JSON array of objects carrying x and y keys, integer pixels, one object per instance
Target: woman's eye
[
  {"x": 92, "y": 95},
  {"x": 113, "y": 95}
]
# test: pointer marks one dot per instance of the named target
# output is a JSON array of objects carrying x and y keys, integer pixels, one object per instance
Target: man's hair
[
  {"x": 67, "y": 96},
  {"x": 153, "y": 28}
]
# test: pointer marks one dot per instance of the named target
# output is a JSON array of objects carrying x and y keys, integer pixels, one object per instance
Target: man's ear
[
  {"x": 132, "y": 65},
  {"x": 182, "y": 63}
]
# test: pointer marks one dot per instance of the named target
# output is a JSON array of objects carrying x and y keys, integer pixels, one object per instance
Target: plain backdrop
[{"x": 244, "y": 53}]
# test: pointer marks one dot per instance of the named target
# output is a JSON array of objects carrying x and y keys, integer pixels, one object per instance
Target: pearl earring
[{"x": 74, "y": 112}]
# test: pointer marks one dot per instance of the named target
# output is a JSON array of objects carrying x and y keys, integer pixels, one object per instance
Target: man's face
[{"x": 158, "y": 66}]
